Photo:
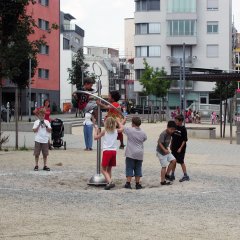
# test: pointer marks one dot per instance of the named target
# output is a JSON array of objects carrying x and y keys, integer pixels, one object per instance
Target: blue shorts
[{"x": 133, "y": 167}]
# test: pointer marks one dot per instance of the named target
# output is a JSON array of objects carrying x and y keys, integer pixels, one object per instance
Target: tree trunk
[
  {"x": 0, "y": 113},
  {"x": 16, "y": 117}
]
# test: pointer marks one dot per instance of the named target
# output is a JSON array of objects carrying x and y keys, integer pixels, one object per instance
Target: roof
[
  {"x": 68, "y": 16},
  {"x": 206, "y": 75}
]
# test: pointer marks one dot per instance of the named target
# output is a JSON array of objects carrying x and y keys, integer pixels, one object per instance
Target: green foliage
[
  {"x": 78, "y": 71},
  {"x": 153, "y": 81},
  {"x": 226, "y": 89},
  {"x": 15, "y": 48}
]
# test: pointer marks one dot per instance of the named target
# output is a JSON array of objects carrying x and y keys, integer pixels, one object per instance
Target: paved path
[{"x": 60, "y": 205}]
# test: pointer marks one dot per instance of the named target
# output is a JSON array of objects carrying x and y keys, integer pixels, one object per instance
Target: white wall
[{"x": 65, "y": 63}]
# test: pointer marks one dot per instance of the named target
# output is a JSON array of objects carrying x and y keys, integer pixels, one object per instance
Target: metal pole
[
  {"x": 29, "y": 91},
  {"x": 99, "y": 127},
  {"x": 181, "y": 96},
  {"x": 184, "y": 83},
  {"x": 8, "y": 108},
  {"x": 231, "y": 119}
]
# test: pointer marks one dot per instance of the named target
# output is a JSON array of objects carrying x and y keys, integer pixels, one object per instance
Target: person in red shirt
[
  {"x": 113, "y": 98},
  {"x": 46, "y": 107}
]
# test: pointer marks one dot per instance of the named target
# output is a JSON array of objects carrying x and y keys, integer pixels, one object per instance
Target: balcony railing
[{"x": 73, "y": 27}]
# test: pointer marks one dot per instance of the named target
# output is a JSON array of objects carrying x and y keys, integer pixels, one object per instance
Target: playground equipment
[{"x": 98, "y": 179}]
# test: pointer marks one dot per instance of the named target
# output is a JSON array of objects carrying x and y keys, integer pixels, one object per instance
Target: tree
[
  {"x": 15, "y": 47},
  {"x": 225, "y": 90},
  {"x": 78, "y": 70},
  {"x": 153, "y": 81}
]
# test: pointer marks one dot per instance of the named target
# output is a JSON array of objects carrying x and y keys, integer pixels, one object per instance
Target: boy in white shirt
[{"x": 42, "y": 130}]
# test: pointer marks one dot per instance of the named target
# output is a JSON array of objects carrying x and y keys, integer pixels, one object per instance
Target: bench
[{"x": 202, "y": 132}]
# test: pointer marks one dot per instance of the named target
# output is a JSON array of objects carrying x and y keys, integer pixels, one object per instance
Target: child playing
[
  {"x": 134, "y": 152},
  {"x": 163, "y": 154},
  {"x": 178, "y": 147},
  {"x": 109, "y": 135},
  {"x": 88, "y": 130},
  {"x": 113, "y": 98},
  {"x": 42, "y": 129}
]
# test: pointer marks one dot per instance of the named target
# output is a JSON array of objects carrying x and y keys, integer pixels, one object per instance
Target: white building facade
[
  {"x": 161, "y": 28},
  {"x": 71, "y": 40}
]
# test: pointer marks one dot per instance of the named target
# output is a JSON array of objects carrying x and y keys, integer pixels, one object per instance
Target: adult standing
[{"x": 46, "y": 107}]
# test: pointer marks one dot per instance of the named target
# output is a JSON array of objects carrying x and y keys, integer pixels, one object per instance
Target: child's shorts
[
  {"x": 109, "y": 158},
  {"x": 133, "y": 167},
  {"x": 179, "y": 156},
  {"x": 41, "y": 147},
  {"x": 165, "y": 159}
]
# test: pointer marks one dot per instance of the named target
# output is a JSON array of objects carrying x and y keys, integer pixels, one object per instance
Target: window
[
  {"x": 154, "y": 51},
  {"x": 212, "y": 27},
  {"x": 141, "y": 51},
  {"x": 148, "y": 51},
  {"x": 212, "y": 51},
  {"x": 212, "y": 5},
  {"x": 44, "y": 2},
  {"x": 182, "y": 28},
  {"x": 181, "y": 6},
  {"x": 154, "y": 28},
  {"x": 66, "y": 43},
  {"x": 44, "y": 25},
  {"x": 237, "y": 59},
  {"x": 44, "y": 49},
  {"x": 139, "y": 73},
  {"x": 147, "y": 28},
  {"x": 147, "y": 5},
  {"x": 43, "y": 73}
]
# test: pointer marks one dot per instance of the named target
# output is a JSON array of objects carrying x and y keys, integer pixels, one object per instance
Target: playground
[{"x": 61, "y": 205}]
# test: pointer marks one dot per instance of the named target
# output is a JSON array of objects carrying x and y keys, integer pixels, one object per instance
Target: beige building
[{"x": 161, "y": 28}]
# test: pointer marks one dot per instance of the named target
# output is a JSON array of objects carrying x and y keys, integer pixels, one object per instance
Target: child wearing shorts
[
  {"x": 109, "y": 154},
  {"x": 178, "y": 147},
  {"x": 42, "y": 130},
  {"x": 113, "y": 98},
  {"x": 164, "y": 155},
  {"x": 134, "y": 152}
]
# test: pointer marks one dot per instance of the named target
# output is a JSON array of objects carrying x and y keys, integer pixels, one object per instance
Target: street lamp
[
  {"x": 82, "y": 69},
  {"x": 29, "y": 90}
]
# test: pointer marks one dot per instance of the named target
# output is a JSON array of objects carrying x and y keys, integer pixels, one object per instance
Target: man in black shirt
[{"x": 178, "y": 147}]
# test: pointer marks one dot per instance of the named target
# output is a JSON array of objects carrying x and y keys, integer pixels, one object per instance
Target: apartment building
[
  {"x": 161, "y": 28},
  {"x": 46, "y": 81},
  {"x": 71, "y": 40}
]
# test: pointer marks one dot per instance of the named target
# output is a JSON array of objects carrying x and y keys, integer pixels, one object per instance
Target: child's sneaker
[
  {"x": 128, "y": 185},
  {"x": 166, "y": 183},
  {"x": 45, "y": 168},
  {"x": 138, "y": 186},
  {"x": 170, "y": 178},
  {"x": 122, "y": 146},
  {"x": 173, "y": 177},
  {"x": 184, "y": 178},
  {"x": 109, "y": 186},
  {"x": 35, "y": 168}
]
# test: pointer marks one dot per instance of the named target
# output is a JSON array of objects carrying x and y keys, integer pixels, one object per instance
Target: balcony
[
  {"x": 175, "y": 85},
  {"x": 179, "y": 40},
  {"x": 73, "y": 27}
]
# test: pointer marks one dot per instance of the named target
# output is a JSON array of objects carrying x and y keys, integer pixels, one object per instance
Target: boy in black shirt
[{"x": 178, "y": 147}]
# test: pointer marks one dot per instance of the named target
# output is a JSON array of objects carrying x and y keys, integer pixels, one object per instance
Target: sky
[{"x": 104, "y": 23}]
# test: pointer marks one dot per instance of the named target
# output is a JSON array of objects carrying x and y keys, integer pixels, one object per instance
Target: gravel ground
[{"x": 60, "y": 205}]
